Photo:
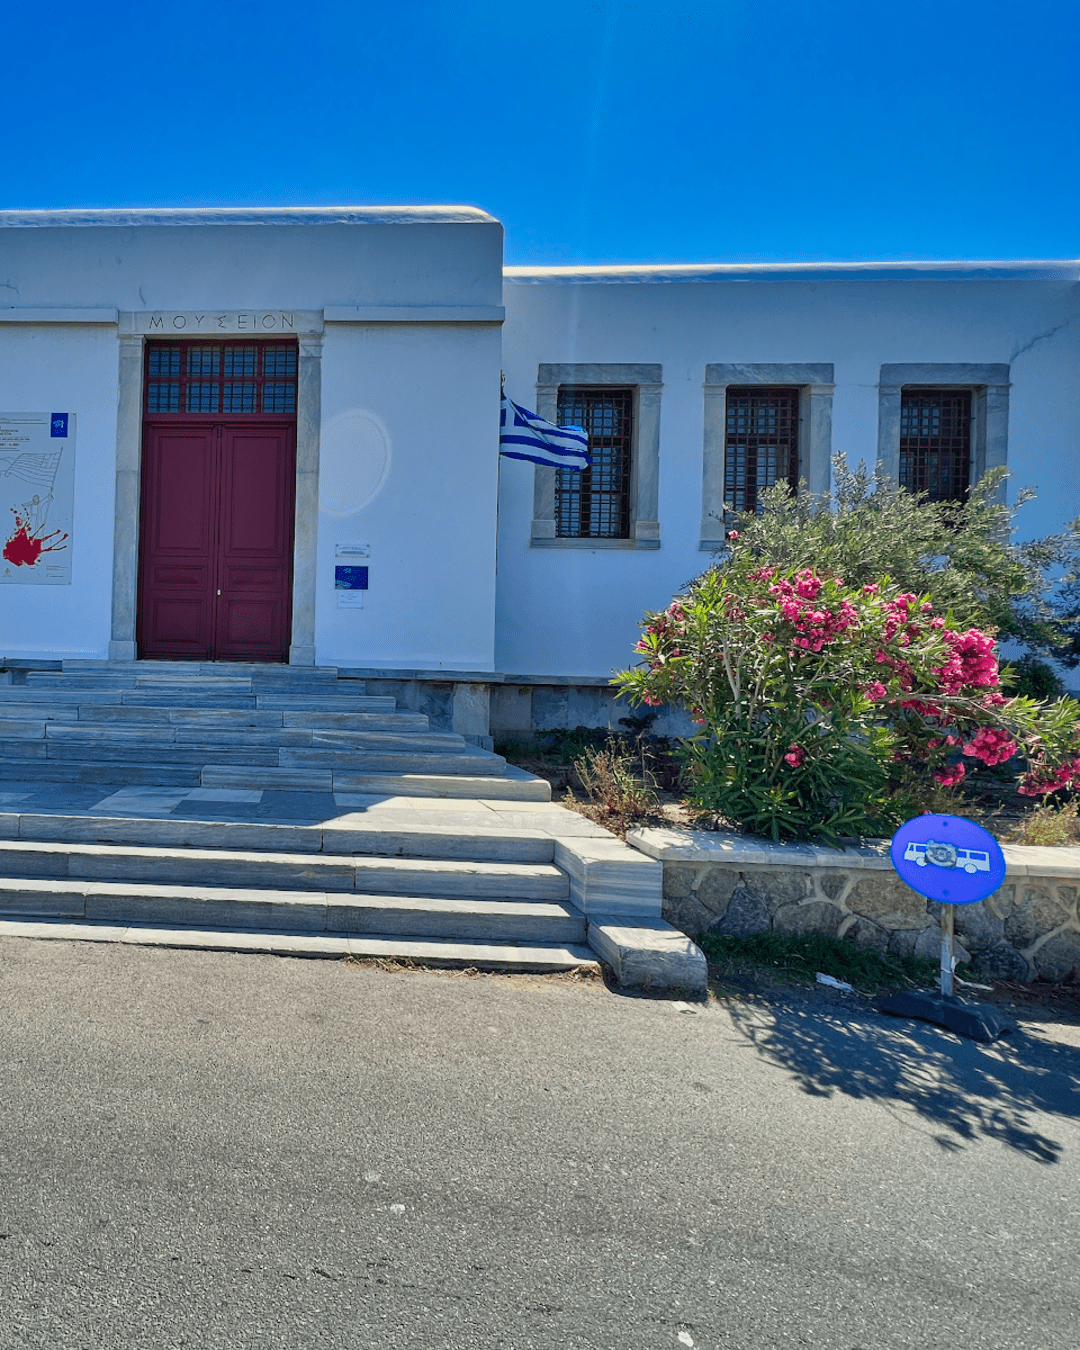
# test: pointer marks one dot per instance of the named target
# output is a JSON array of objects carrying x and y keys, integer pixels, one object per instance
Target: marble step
[
  {"x": 83, "y": 771},
  {"x": 512, "y": 958},
  {"x": 110, "y": 732},
  {"x": 48, "y": 679},
  {"x": 139, "y": 750},
  {"x": 307, "y": 911},
  {"x": 512, "y": 784},
  {"x": 12, "y": 694},
  {"x": 188, "y": 669},
  {"x": 120, "y": 679},
  {"x": 136, "y": 752},
  {"x": 468, "y": 760},
  {"x": 356, "y": 837},
  {"x": 227, "y": 719},
  {"x": 447, "y": 878}
]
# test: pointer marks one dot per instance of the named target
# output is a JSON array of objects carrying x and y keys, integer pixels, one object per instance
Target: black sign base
[{"x": 974, "y": 1020}]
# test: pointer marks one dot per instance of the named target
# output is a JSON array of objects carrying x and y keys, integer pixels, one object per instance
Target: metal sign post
[
  {"x": 955, "y": 862},
  {"x": 948, "y": 918}
]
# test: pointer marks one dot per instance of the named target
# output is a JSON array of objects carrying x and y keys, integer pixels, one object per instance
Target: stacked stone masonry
[{"x": 722, "y": 883}]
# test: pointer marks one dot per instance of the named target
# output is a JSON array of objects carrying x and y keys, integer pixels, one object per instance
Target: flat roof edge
[
  {"x": 1035, "y": 269},
  {"x": 245, "y": 215}
]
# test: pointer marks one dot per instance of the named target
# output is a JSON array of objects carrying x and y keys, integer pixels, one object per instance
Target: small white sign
[
  {"x": 352, "y": 550},
  {"x": 350, "y": 599},
  {"x": 37, "y": 498}
]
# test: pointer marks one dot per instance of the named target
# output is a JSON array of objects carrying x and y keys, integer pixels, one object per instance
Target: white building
[{"x": 268, "y": 410}]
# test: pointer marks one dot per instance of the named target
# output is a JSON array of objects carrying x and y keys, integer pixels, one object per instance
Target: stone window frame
[
  {"x": 815, "y": 382},
  {"x": 647, "y": 382},
  {"x": 989, "y": 387},
  {"x": 129, "y": 423}
]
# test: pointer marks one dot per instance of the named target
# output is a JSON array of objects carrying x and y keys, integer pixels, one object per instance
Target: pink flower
[
  {"x": 733, "y": 534},
  {"x": 950, "y": 777},
  {"x": 652, "y": 702},
  {"x": 795, "y": 756},
  {"x": 807, "y": 584},
  {"x": 875, "y": 690},
  {"x": 971, "y": 662},
  {"x": 991, "y": 746},
  {"x": 1043, "y": 780}
]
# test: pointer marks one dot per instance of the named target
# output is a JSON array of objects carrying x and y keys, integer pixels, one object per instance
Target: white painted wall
[
  {"x": 66, "y": 368},
  {"x": 420, "y": 402},
  {"x": 250, "y": 259},
  {"x": 409, "y": 465},
  {"x": 423, "y": 397},
  {"x": 575, "y": 611}
]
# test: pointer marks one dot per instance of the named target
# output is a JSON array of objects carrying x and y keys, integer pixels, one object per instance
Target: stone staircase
[
  {"x": 255, "y": 727},
  {"x": 506, "y": 881}
]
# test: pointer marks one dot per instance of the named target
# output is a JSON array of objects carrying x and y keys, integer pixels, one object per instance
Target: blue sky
[{"x": 614, "y": 131}]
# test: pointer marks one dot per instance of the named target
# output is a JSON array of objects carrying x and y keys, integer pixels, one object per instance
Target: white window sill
[{"x": 595, "y": 544}]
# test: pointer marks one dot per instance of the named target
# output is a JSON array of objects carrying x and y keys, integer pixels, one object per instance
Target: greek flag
[{"x": 526, "y": 436}]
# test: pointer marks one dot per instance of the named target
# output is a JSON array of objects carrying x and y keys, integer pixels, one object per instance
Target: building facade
[{"x": 273, "y": 435}]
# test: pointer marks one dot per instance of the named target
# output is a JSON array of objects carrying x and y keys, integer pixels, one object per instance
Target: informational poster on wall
[{"x": 37, "y": 498}]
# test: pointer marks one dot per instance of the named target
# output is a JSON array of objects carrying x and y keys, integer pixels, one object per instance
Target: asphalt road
[{"x": 216, "y": 1150}]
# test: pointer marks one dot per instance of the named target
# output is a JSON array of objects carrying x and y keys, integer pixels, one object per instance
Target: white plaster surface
[
  {"x": 412, "y": 352},
  {"x": 66, "y": 368},
  {"x": 575, "y": 610},
  {"x": 427, "y": 401}
]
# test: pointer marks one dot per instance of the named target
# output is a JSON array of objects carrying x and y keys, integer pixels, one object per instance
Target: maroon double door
[
  {"x": 218, "y": 493},
  {"x": 216, "y": 569}
]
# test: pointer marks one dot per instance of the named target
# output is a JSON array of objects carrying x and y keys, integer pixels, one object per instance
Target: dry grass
[
  {"x": 620, "y": 790},
  {"x": 1053, "y": 826}
]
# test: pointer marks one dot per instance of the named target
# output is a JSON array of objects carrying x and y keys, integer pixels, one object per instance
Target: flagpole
[{"x": 498, "y": 495}]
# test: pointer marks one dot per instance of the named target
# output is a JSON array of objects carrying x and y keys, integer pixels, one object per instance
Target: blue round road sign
[{"x": 948, "y": 858}]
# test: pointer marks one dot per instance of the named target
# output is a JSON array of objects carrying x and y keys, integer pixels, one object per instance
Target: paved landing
[{"x": 293, "y": 808}]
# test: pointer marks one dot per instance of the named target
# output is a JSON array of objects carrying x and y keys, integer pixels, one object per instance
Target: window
[
  {"x": 761, "y": 446},
  {"x": 935, "y": 442},
  {"x": 942, "y": 425},
  {"x": 595, "y": 503},
  {"x": 613, "y": 504},
  {"x": 220, "y": 377},
  {"x": 764, "y": 423}
]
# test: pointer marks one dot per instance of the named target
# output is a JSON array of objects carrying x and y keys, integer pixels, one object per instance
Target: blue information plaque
[
  {"x": 350, "y": 578},
  {"x": 948, "y": 858}
]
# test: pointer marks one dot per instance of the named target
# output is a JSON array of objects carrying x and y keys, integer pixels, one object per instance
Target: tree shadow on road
[{"x": 969, "y": 1091}]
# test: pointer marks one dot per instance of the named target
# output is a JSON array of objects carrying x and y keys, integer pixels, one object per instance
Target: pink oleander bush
[{"x": 834, "y": 710}]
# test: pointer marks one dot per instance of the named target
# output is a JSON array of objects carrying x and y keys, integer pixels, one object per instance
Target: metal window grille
[
  {"x": 935, "y": 442},
  {"x": 221, "y": 377},
  {"x": 239, "y": 398},
  {"x": 241, "y": 360},
  {"x": 279, "y": 398},
  {"x": 762, "y": 444},
  {"x": 163, "y": 397},
  {"x": 202, "y": 398},
  {"x": 595, "y": 503},
  {"x": 279, "y": 360}
]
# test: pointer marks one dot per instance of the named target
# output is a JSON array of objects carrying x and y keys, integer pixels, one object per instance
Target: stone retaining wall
[{"x": 727, "y": 883}]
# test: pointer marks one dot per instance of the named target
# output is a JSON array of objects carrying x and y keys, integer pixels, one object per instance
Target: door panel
[
  {"x": 176, "y": 589},
  {"x": 255, "y": 541},
  {"x": 216, "y": 544}
]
